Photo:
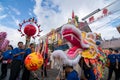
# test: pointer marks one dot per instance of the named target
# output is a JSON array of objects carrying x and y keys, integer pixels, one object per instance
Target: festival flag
[
  {"x": 45, "y": 52},
  {"x": 46, "y": 46},
  {"x": 73, "y": 16}
]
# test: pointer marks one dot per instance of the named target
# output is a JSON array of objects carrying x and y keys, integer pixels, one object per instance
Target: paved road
[{"x": 52, "y": 73}]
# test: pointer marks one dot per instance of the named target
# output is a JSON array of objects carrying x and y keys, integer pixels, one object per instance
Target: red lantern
[
  {"x": 30, "y": 30},
  {"x": 91, "y": 19},
  {"x": 105, "y": 11}
]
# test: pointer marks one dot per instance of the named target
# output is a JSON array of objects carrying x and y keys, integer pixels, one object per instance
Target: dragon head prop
[{"x": 83, "y": 44}]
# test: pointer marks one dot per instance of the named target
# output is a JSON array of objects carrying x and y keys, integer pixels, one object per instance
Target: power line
[
  {"x": 110, "y": 4},
  {"x": 111, "y": 11},
  {"x": 107, "y": 23},
  {"x": 97, "y": 10},
  {"x": 106, "y": 16}
]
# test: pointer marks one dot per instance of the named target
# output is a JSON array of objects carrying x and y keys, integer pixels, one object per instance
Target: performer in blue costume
[
  {"x": 112, "y": 59},
  {"x": 26, "y": 73},
  {"x": 71, "y": 73},
  {"x": 17, "y": 61},
  {"x": 6, "y": 59}
]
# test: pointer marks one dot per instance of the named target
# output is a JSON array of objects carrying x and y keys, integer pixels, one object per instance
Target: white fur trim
[{"x": 65, "y": 60}]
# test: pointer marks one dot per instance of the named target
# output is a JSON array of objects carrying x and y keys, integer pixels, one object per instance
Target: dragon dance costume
[{"x": 83, "y": 46}]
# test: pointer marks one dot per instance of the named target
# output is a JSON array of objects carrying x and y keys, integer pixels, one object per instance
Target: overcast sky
[{"x": 51, "y": 14}]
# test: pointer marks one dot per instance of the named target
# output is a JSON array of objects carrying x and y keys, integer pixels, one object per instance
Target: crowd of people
[{"x": 15, "y": 58}]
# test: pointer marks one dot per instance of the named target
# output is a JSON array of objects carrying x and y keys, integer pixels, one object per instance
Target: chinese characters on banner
[{"x": 103, "y": 13}]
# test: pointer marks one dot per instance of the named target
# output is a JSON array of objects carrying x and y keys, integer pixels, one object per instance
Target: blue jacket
[
  {"x": 112, "y": 58},
  {"x": 72, "y": 75},
  {"x": 7, "y": 54},
  {"x": 118, "y": 57},
  {"x": 17, "y": 51},
  {"x": 28, "y": 51}
]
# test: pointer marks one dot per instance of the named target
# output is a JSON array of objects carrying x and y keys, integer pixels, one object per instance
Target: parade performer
[
  {"x": 26, "y": 72},
  {"x": 32, "y": 59},
  {"x": 16, "y": 61},
  {"x": 6, "y": 59},
  {"x": 112, "y": 58},
  {"x": 83, "y": 45}
]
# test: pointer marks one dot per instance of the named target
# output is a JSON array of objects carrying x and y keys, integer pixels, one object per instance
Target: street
[{"x": 52, "y": 73}]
